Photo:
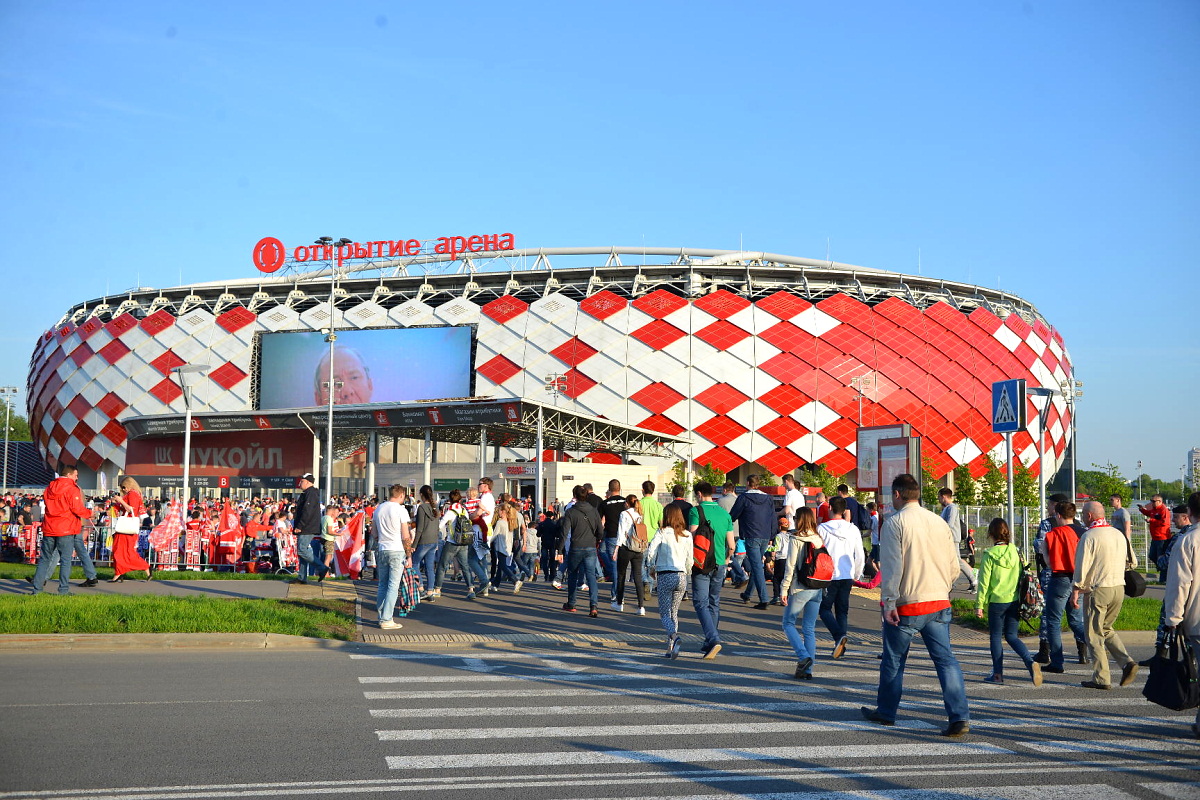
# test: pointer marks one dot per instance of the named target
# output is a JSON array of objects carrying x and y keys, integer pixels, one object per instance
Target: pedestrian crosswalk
[{"x": 626, "y": 723}]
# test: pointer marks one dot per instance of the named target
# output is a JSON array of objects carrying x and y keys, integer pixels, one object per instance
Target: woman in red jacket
[{"x": 125, "y": 554}]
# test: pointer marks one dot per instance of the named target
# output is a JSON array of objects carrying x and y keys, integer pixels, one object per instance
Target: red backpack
[{"x": 816, "y": 567}]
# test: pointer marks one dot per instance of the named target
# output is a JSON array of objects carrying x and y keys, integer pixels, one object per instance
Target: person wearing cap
[{"x": 307, "y": 526}]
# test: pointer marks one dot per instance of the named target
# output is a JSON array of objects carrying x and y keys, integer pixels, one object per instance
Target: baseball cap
[{"x": 308, "y": 476}]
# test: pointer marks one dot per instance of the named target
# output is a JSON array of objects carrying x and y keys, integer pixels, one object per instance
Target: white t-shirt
[
  {"x": 794, "y": 499},
  {"x": 390, "y": 519},
  {"x": 487, "y": 507}
]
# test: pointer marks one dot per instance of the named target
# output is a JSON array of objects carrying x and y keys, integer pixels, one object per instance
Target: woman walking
[
  {"x": 803, "y": 602},
  {"x": 630, "y": 549},
  {"x": 670, "y": 559},
  {"x": 504, "y": 525},
  {"x": 125, "y": 554},
  {"x": 425, "y": 555},
  {"x": 999, "y": 572}
]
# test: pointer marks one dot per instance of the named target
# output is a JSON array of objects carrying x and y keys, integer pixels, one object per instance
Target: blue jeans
[
  {"x": 935, "y": 632},
  {"x": 425, "y": 562},
  {"x": 390, "y": 566},
  {"x": 835, "y": 608},
  {"x": 802, "y": 605},
  {"x": 62, "y": 548},
  {"x": 608, "y": 560},
  {"x": 1003, "y": 621},
  {"x": 89, "y": 569},
  {"x": 758, "y": 579},
  {"x": 477, "y": 557},
  {"x": 582, "y": 565},
  {"x": 309, "y": 563},
  {"x": 452, "y": 552},
  {"x": 736, "y": 569},
  {"x": 1156, "y": 548},
  {"x": 1057, "y": 593},
  {"x": 706, "y": 599}
]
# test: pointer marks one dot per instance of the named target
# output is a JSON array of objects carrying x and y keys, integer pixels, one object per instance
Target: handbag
[
  {"x": 1173, "y": 682},
  {"x": 127, "y": 525},
  {"x": 1135, "y": 582}
]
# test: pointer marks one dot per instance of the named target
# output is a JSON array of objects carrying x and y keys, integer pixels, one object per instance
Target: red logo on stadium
[
  {"x": 510, "y": 411},
  {"x": 435, "y": 415},
  {"x": 269, "y": 254},
  {"x": 381, "y": 418}
]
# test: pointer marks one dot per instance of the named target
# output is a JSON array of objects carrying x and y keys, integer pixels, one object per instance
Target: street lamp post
[
  {"x": 185, "y": 374},
  {"x": 8, "y": 392},
  {"x": 1139, "y": 470},
  {"x": 332, "y": 385},
  {"x": 861, "y": 383}
]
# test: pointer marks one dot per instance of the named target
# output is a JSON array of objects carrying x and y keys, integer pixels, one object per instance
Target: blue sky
[{"x": 1049, "y": 148}]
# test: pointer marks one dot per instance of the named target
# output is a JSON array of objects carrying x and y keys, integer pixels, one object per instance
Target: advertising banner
[
  {"x": 350, "y": 543},
  {"x": 284, "y": 453},
  {"x": 867, "y": 453},
  {"x": 191, "y": 545}
]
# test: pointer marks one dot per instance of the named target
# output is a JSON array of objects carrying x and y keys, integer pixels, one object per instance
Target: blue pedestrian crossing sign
[{"x": 1008, "y": 406}]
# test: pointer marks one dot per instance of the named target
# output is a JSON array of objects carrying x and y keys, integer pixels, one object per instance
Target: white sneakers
[
  {"x": 641, "y": 611},
  {"x": 389, "y": 625},
  {"x": 517, "y": 587},
  {"x": 617, "y": 606},
  {"x": 557, "y": 584}
]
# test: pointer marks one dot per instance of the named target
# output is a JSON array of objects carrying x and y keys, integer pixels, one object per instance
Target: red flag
[
  {"x": 350, "y": 543},
  {"x": 164, "y": 538},
  {"x": 229, "y": 541}
]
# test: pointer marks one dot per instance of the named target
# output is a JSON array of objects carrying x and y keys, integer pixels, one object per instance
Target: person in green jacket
[{"x": 999, "y": 572}]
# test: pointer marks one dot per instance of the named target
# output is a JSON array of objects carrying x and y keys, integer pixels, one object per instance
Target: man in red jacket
[
  {"x": 64, "y": 517},
  {"x": 1158, "y": 520}
]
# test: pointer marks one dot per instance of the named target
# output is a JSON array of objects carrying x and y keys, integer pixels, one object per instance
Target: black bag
[
  {"x": 704, "y": 563},
  {"x": 1135, "y": 583},
  {"x": 1173, "y": 682}
]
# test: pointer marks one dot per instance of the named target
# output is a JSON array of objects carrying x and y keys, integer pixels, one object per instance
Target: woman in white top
[
  {"x": 670, "y": 559},
  {"x": 803, "y": 603},
  {"x": 504, "y": 524},
  {"x": 630, "y": 550}
]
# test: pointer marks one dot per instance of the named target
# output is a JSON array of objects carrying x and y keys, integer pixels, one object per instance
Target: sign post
[{"x": 1008, "y": 417}]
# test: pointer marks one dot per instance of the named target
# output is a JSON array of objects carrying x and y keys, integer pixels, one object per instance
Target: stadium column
[
  {"x": 372, "y": 457},
  {"x": 541, "y": 465},
  {"x": 427, "y": 457},
  {"x": 482, "y": 451}
]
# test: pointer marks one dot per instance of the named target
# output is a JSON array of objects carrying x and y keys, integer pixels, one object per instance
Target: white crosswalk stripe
[{"x": 632, "y": 709}]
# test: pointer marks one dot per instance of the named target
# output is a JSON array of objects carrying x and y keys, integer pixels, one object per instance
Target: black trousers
[{"x": 627, "y": 558}]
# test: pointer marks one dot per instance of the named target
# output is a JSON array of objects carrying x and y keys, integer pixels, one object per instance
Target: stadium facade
[{"x": 765, "y": 361}]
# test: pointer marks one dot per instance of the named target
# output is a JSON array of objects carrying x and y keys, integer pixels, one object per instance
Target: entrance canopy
[{"x": 487, "y": 421}]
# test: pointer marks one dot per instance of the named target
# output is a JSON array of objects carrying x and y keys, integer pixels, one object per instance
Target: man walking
[
  {"x": 1181, "y": 604},
  {"x": 1058, "y": 550},
  {"x": 1120, "y": 516},
  {"x": 1100, "y": 563},
  {"x": 706, "y": 586},
  {"x": 920, "y": 563},
  {"x": 610, "y": 511},
  {"x": 843, "y": 540},
  {"x": 582, "y": 531},
  {"x": 1158, "y": 520},
  {"x": 307, "y": 526},
  {"x": 953, "y": 518},
  {"x": 754, "y": 512},
  {"x": 737, "y": 558},
  {"x": 62, "y": 522},
  {"x": 393, "y": 537}
]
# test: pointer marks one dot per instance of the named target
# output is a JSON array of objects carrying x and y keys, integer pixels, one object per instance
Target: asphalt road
[{"x": 583, "y": 721}]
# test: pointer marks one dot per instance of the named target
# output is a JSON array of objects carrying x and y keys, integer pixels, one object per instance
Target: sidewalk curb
[{"x": 167, "y": 641}]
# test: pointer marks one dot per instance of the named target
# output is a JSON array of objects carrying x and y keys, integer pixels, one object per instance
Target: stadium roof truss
[{"x": 534, "y": 273}]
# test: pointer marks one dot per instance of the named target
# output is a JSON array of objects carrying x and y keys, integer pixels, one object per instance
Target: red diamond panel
[
  {"x": 158, "y": 322},
  {"x": 91, "y": 458},
  {"x": 656, "y": 398},
  {"x": 79, "y": 406},
  {"x": 986, "y": 320},
  {"x": 722, "y": 304},
  {"x": 498, "y": 369},
  {"x": 111, "y": 405},
  {"x": 604, "y": 458},
  {"x": 659, "y": 303},
  {"x": 662, "y": 424},
  {"x": 721, "y": 334},
  {"x": 1018, "y": 326},
  {"x": 577, "y": 383},
  {"x": 779, "y": 461},
  {"x": 236, "y": 318},
  {"x": 228, "y": 375},
  {"x": 59, "y": 434},
  {"x": 784, "y": 305},
  {"x": 658, "y": 334},
  {"x": 841, "y": 431},
  {"x": 839, "y": 462},
  {"x": 603, "y": 305},
  {"x": 121, "y": 325},
  {"x": 114, "y": 351},
  {"x": 785, "y": 336},
  {"x": 722, "y": 458},
  {"x": 81, "y": 354},
  {"x": 89, "y": 327},
  {"x": 502, "y": 309},
  {"x": 785, "y": 367},
  {"x": 83, "y": 433},
  {"x": 167, "y": 362},
  {"x": 722, "y": 398},
  {"x": 166, "y": 391},
  {"x": 782, "y": 431},
  {"x": 785, "y": 399},
  {"x": 574, "y": 351},
  {"x": 846, "y": 309},
  {"x": 720, "y": 430}
]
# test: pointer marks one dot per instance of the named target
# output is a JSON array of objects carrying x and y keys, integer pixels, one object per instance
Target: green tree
[
  {"x": 680, "y": 477},
  {"x": 1108, "y": 481},
  {"x": 818, "y": 475},
  {"x": 929, "y": 487},
  {"x": 992, "y": 488},
  {"x": 711, "y": 474},
  {"x": 17, "y": 424},
  {"x": 964, "y": 486},
  {"x": 1025, "y": 486}
]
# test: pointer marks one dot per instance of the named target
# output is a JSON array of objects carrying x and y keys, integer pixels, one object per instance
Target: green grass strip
[
  {"x": 48, "y": 613},
  {"x": 1137, "y": 614}
]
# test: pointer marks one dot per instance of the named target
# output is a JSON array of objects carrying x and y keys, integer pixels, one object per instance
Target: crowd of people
[{"x": 810, "y": 557}]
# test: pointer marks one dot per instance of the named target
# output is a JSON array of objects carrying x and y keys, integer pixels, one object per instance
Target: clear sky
[{"x": 1050, "y": 148}]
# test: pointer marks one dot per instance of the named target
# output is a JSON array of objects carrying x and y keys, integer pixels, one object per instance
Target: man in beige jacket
[
  {"x": 1101, "y": 559},
  {"x": 1181, "y": 604},
  {"x": 919, "y": 565}
]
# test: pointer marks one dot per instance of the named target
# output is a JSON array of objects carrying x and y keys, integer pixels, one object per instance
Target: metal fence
[{"x": 1024, "y": 528}]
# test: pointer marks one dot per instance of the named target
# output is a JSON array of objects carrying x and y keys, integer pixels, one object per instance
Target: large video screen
[{"x": 369, "y": 366}]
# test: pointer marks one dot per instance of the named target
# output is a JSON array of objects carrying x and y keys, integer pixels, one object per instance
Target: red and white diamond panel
[
  {"x": 769, "y": 382},
  {"x": 765, "y": 382}
]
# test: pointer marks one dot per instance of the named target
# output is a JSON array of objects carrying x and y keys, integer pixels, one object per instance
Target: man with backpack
[
  {"x": 457, "y": 537},
  {"x": 712, "y": 536},
  {"x": 920, "y": 563}
]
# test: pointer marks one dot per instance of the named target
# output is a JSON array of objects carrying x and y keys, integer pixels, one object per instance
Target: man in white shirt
[
  {"x": 793, "y": 498},
  {"x": 487, "y": 502},
  {"x": 393, "y": 536},
  {"x": 843, "y": 540}
]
